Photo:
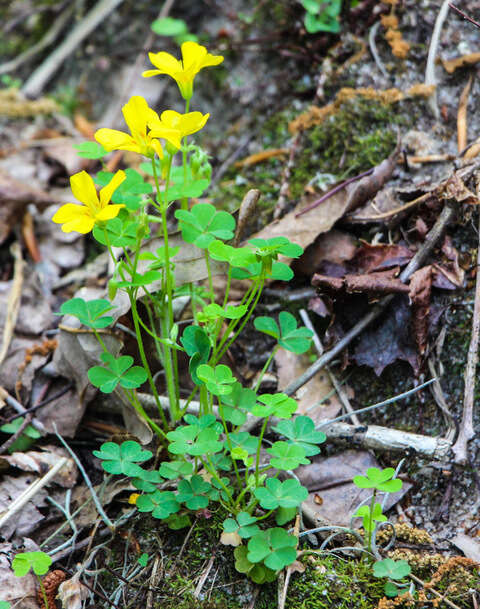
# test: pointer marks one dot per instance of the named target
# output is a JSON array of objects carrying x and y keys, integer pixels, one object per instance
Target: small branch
[
  {"x": 466, "y": 433},
  {"x": 6, "y": 445},
  {"x": 462, "y": 14}
]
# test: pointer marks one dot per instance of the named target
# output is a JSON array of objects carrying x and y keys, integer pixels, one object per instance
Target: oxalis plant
[{"x": 213, "y": 461}]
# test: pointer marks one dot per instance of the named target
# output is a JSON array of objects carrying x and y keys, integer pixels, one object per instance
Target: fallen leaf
[
  {"x": 379, "y": 257},
  {"x": 230, "y": 539},
  {"x": 420, "y": 294},
  {"x": 334, "y": 246},
  {"x": 41, "y": 462},
  {"x": 27, "y": 519},
  {"x": 21, "y": 592},
  {"x": 470, "y": 547},
  {"x": 72, "y": 592}
]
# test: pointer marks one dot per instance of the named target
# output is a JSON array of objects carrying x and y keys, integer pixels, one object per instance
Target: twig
[
  {"x": 153, "y": 582},
  {"x": 462, "y": 14},
  {"x": 433, "y": 591},
  {"x": 373, "y": 49},
  {"x": 13, "y": 304},
  {"x": 432, "y": 53},
  {"x": 31, "y": 491},
  {"x": 288, "y": 574},
  {"x": 466, "y": 433},
  {"x": 334, "y": 190},
  {"x": 43, "y": 403},
  {"x": 397, "y": 210},
  {"x": 415, "y": 263},
  {"x": 15, "y": 404},
  {"x": 462, "y": 129},
  {"x": 47, "y": 39},
  {"x": 203, "y": 577},
  {"x": 37, "y": 81}
]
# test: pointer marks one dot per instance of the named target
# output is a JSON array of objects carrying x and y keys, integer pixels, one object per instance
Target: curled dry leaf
[
  {"x": 41, "y": 462},
  {"x": 72, "y": 593},
  {"x": 247, "y": 209},
  {"x": 230, "y": 539},
  {"x": 420, "y": 294}
]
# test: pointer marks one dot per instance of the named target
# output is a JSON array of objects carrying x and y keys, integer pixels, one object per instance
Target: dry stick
[
  {"x": 50, "y": 36},
  {"x": 462, "y": 14},
  {"x": 13, "y": 304},
  {"x": 6, "y": 445},
  {"x": 462, "y": 139},
  {"x": 433, "y": 591},
  {"x": 415, "y": 263},
  {"x": 432, "y": 53},
  {"x": 37, "y": 81},
  {"x": 466, "y": 433}
]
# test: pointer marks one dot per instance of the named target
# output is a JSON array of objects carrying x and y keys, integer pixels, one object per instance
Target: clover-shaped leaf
[
  {"x": 193, "y": 440},
  {"x": 221, "y": 461},
  {"x": 203, "y": 224},
  {"x": 258, "y": 573},
  {"x": 90, "y": 313},
  {"x": 287, "y": 456},
  {"x": 5, "y": 605},
  {"x": 235, "y": 256},
  {"x": 287, "y": 494},
  {"x": 219, "y": 380},
  {"x": 274, "y": 547},
  {"x": 284, "y": 515},
  {"x": 139, "y": 280},
  {"x": 243, "y": 524},
  {"x": 39, "y": 562},
  {"x": 123, "y": 458},
  {"x": 175, "y": 469},
  {"x": 268, "y": 248},
  {"x": 194, "y": 492},
  {"x": 196, "y": 343},
  {"x": 119, "y": 232},
  {"x": 119, "y": 371},
  {"x": 364, "y": 513},
  {"x": 279, "y": 271},
  {"x": 206, "y": 420},
  {"x": 275, "y": 404},
  {"x": 244, "y": 440},
  {"x": 379, "y": 479},
  {"x": 237, "y": 403},
  {"x": 286, "y": 332},
  {"x": 131, "y": 190},
  {"x": 394, "y": 569},
  {"x": 158, "y": 259},
  {"x": 192, "y": 189},
  {"x": 301, "y": 431},
  {"x": 213, "y": 312},
  {"x": 160, "y": 503},
  {"x": 147, "y": 481}
]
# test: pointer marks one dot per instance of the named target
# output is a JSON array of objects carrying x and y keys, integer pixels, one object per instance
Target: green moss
[{"x": 359, "y": 136}]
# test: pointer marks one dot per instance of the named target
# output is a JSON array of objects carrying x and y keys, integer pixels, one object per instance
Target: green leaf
[
  {"x": 237, "y": 403},
  {"x": 235, "y": 256},
  {"x": 274, "y": 547},
  {"x": 178, "y": 521},
  {"x": 287, "y": 494},
  {"x": 301, "y": 431},
  {"x": 147, "y": 481},
  {"x": 379, "y": 479},
  {"x": 90, "y": 150},
  {"x": 90, "y": 313},
  {"x": 203, "y": 224},
  {"x": 191, "y": 190},
  {"x": 160, "y": 503},
  {"x": 131, "y": 190},
  {"x": 120, "y": 232},
  {"x": 139, "y": 280},
  {"x": 167, "y": 26},
  {"x": 143, "y": 559},
  {"x": 275, "y": 404},
  {"x": 287, "y": 456},
  {"x": 123, "y": 458},
  {"x": 119, "y": 371},
  {"x": 394, "y": 569},
  {"x": 390, "y": 589},
  {"x": 278, "y": 272},
  {"x": 219, "y": 380},
  {"x": 364, "y": 513},
  {"x": 5, "y": 605},
  {"x": 26, "y": 438},
  {"x": 243, "y": 524},
  {"x": 245, "y": 440},
  {"x": 213, "y": 311},
  {"x": 196, "y": 343},
  {"x": 289, "y": 337},
  {"x": 194, "y": 440},
  {"x": 39, "y": 562},
  {"x": 194, "y": 492},
  {"x": 284, "y": 515},
  {"x": 258, "y": 573},
  {"x": 175, "y": 469}
]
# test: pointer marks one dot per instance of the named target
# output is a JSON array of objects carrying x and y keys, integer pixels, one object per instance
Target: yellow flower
[
  {"x": 82, "y": 218},
  {"x": 185, "y": 124},
  {"x": 137, "y": 114},
  {"x": 194, "y": 58}
]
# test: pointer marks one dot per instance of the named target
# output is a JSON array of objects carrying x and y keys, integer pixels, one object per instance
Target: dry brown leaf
[
  {"x": 72, "y": 593},
  {"x": 451, "y": 65},
  {"x": 462, "y": 129},
  {"x": 334, "y": 246},
  {"x": 27, "y": 519},
  {"x": 470, "y": 547},
  {"x": 264, "y": 155},
  {"x": 14, "y": 198},
  {"x": 380, "y": 256},
  {"x": 41, "y": 463},
  {"x": 64, "y": 153},
  {"x": 420, "y": 294},
  {"x": 230, "y": 539}
]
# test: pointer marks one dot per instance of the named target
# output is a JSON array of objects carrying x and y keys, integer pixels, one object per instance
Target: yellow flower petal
[
  {"x": 74, "y": 218},
  {"x": 186, "y": 123},
  {"x": 166, "y": 63},
  {"x": 108, "y": 190},
  {"x": 195, "y": 54},
  {"x": 137, "y": 113},
  {"x": 109, "y": 212},
  {"x": 111, "y": 139},
  {"x": 157, "y": 146},
  {"x": 84, "y": 190}
]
